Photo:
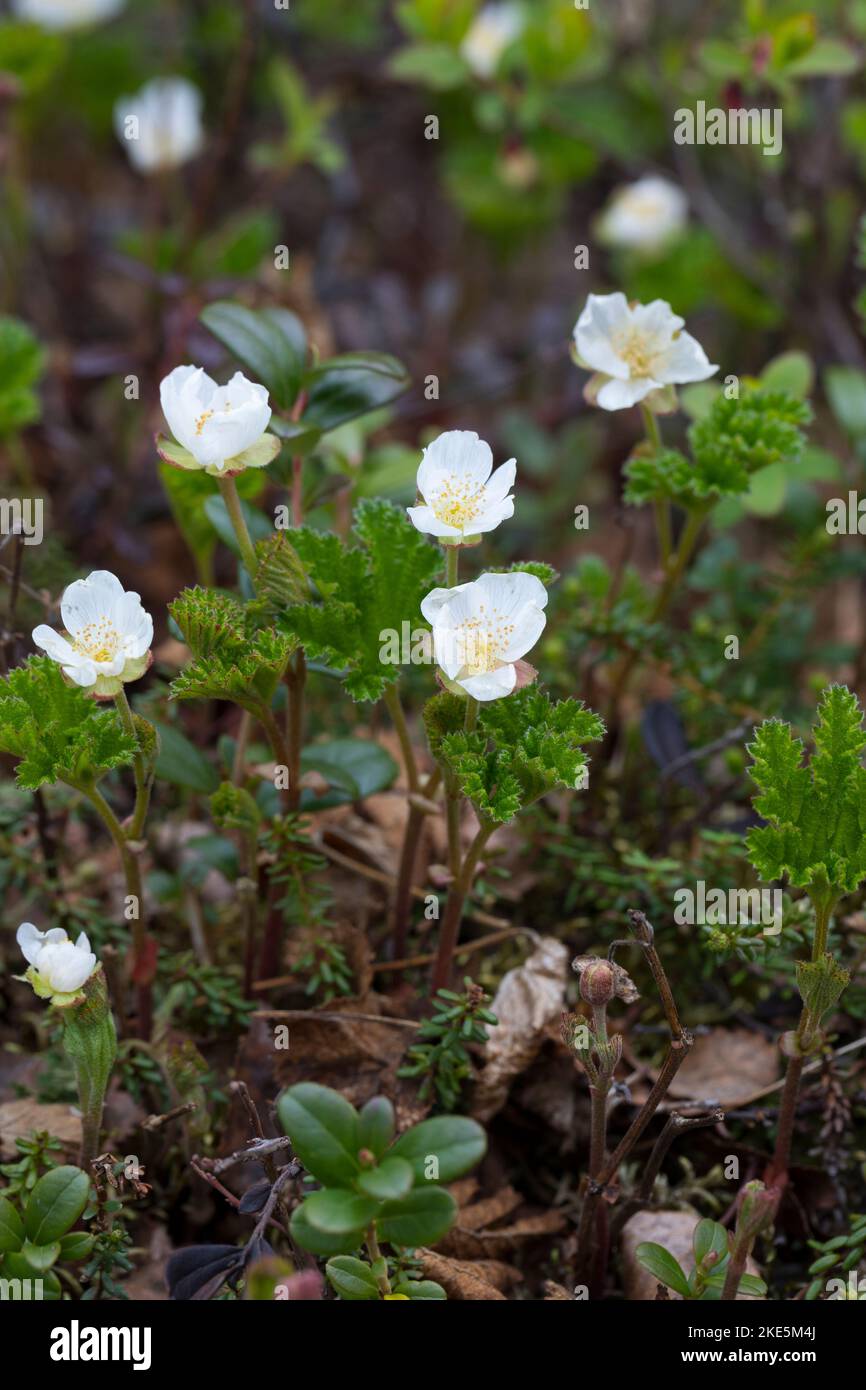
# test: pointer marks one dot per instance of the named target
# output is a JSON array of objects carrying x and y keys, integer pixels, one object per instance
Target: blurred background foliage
[{"x": 365, "y": 168}]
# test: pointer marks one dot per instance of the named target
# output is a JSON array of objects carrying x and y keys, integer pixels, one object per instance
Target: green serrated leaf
[
  {"x": 57, "y": 731},
  {"x": 816, "y": 812}
]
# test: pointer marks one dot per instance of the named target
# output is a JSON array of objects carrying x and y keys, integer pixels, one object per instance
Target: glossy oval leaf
[
  {"x": 323, "y": 1128},
  {"x": 662, "y": 1265},
  {"x": 376, "y": 1125},
  {"x": 709, "y": 1235},
  {"x": 422, "y": 1290},
  {"x": 40, "y": 1257},
  {"x": 346, "y": 387},
  {"x": 392, "y": 1178},
  {"x": 11, "y": 1227},
  {"x": 76, "y": 1246},
  {"x": 55, "y": 1204},
  {"x": 339, "y": 1212},
  {"x": 270, "y": 343},
  {"x": 351, "y": 1279},
  {"x": 181, "y": 763},
  {"x": 420, "y": 1218},
  {"x": 356, "y": 768},
  {"x": 321, "y": 1242},
  {"x": 454, "y": 1141}
]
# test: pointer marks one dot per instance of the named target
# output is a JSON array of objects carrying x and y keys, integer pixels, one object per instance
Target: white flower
[
  {"x": 161, "y": 126},
  {"x": 635, "y": 350},
  {"x": 460, "y": 497},
  {"x": 645, "y": 215},
  {"x": 220, "y": 428},
  {"x": 488, "y": 36},
  {"x": 66, "y": 14},
  {"x": 108, "y": 634},
  {"x": 57, "y": 965},
  {"x": 481, "y": 629}
]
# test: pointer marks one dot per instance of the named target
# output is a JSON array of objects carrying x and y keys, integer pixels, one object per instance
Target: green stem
[
  {"x": 132, "y": 877},
  {"x": 90, "y": 1041},
  {"x": 296, "y": 679},
  {"x": 778, "y": 1170},
  {"x": 229, "y": 491},
  {"x": 394, "y": 707},
  {"x": 471, "y": 714},
  {"x": 376, "y": 1257},
  {"x": 452, "y": 559},
  {"x": 142, "y": 782},
  {"x": 457, "y": 893},
  {"x": 688, "y": 540}
]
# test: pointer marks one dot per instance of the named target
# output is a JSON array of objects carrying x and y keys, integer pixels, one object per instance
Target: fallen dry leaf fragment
[
  {"x": 472, "y": 1281},
  {"x": 726, "y": 1067},
  {"x": 19, "y": 1118},
  {"x": 466, "y": 1244},
  {"x": 528, "y": 1001}
]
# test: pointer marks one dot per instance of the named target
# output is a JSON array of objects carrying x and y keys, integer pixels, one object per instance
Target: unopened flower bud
[{"x": 597, "y": 983}]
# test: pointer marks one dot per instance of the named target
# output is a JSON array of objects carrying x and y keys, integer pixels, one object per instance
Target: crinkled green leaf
[
  {"x": 234, "y": 658},
  {"x": 817, "y": 812},
  {"x": 734, "y": 439},
  {"x": 59, "y": 733},
  {"x": 366, "y": 589},
  {"x": 524, "y": 746}
]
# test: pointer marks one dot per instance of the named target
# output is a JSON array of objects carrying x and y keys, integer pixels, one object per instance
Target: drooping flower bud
[{"x": 597, "y": 983}]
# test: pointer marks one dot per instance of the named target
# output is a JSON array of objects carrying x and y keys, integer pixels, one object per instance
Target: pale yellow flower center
[
  {"x": 202, "y": 421},
  {"x": 98, "y": 640},
  {"x": 457, "y": 501},
  {"x": 636, "y": 351},
  {"x": 482, "y": 642}
]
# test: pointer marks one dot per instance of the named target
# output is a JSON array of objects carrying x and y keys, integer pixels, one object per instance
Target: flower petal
[
  {"x": 618, "y": 395},
  {"x": 492, "y": 685},
  {"x": 425, "y": 519},
  {"x": 454, "y": 454}
]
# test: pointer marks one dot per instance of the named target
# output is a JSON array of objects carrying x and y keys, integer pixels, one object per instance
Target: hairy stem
[
  {"x": 296, "y": 679},
  {"x": 141, "y": 969},
  {"x": 457, "y": 893},
  {"x": 452, "y": 558},
  {"x": 228, "y": 489},
  {"x": 142, "y": 781}
]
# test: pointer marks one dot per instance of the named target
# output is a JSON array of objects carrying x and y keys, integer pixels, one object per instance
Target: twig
[{"x": 157, "y": 1121}]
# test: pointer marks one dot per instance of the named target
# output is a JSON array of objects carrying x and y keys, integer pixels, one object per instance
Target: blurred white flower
[
  {"x": 58, "y": 966},
  {"x": 480, "y": 630},
  {"x": 108, "y": 634},
  {"x": 66, "y": 14},
  {"x": 635, "y": 350},
  {"x": 161, "y": 126},
  {"x": 220, "y": 428},
  {"x": 460, "y": 497},
  {"x": 488, "y": 36},
  {"x": 645, "y": 216}
]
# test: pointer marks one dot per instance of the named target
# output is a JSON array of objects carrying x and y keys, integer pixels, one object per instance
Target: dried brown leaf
[{"x": 528, "y": 1001}]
